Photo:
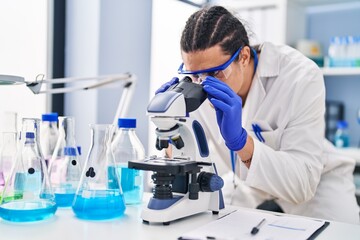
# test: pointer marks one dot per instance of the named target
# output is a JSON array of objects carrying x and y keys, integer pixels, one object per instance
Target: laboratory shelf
[{"x": 341, "y": 71}]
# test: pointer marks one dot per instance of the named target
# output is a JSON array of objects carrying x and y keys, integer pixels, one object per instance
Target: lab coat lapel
[
  {"x": 254, "y": 99},
  {"x": 268, "y": 66}
]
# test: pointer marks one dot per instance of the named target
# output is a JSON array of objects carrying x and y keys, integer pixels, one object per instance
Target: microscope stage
[{"x": 166, "y": 165}]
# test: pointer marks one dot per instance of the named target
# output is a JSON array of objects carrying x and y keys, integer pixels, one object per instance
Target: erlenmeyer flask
[
  {"x": 27, "y": 195},
  {"x": 99, "y": 195},
  {"x": 7, "y": 156},
  {"x": 65, "y": 168},
  {"x": 8, "y": 147}
]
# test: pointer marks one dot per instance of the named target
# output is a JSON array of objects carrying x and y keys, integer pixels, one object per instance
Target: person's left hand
[{"x": 228, "y": 106}]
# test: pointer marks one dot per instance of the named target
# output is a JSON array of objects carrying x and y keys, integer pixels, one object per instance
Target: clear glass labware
[
  {"x": 127, "y": 147},
  {"x": 7, "y": 156},
  {"x": 99, "y": 195},
  {"x": 65, "y": 168},
  {"x": 27, "y": 195},
  {"x": 8, "y": 147},
  {"x": 48, "y": 135}
]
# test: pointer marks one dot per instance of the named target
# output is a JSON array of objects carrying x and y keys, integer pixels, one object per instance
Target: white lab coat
[{"x": 296, "y": 165}]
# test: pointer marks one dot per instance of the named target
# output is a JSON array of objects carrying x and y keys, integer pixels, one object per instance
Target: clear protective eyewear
[{"x": 222, "y": 71}]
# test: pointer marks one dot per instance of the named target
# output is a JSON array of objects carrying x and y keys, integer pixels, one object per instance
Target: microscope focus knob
[{"x": 210, "y": 182}]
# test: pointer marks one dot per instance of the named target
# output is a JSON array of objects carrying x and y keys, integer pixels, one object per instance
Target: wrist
[
  {"x": 246, "y": 154},
  {"x": 239, "y": 142}
]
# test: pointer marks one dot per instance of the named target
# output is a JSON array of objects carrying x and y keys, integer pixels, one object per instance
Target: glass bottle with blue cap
[
  {"x": 127, "y": 147},
  {"x": 341, "y": 138}
]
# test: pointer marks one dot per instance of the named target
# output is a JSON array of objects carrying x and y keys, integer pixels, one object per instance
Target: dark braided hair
[{"x": 211, "y": 26}]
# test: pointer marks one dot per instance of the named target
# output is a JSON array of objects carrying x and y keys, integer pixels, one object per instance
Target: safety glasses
[{"x": 222, "y": 71}]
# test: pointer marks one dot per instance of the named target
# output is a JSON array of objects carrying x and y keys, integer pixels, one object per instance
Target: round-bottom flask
[
  {"x": 99, "y": 195},
  {"x": 27, "y": 195}
]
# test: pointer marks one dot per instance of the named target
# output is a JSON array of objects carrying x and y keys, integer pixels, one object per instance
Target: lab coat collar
[{"x": 269, "y": 61}]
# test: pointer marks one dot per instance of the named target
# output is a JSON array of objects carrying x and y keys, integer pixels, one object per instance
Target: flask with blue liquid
[
  {"x": 341, "y": 138},
  {"x": 99, "y": 194},
  {"x": 65, "y": 167},
  {"x": 127, "y": 147},
  {"x": 27, "y": 195}
]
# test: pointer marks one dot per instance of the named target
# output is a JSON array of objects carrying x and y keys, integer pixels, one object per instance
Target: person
[{"x": 269, "y": 104}]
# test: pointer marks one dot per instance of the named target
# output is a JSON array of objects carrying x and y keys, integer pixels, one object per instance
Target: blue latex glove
[
  {"x": 228, "y": 107},
  {"x": 166, "y": 85}
]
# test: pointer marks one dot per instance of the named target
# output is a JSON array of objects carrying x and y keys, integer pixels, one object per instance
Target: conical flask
[
  {"x": 27, "y": 194},
  {"x": 99, "y": 195},
  {"x": 65, "y": 168},
  {"x": 8, "y": 147}
]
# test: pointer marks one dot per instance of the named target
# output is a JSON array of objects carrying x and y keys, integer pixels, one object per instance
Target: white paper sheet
[{"x": 239, "y": 224}]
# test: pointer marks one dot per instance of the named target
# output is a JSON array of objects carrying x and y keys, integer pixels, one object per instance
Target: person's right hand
[{"x": 166, "y": 85}]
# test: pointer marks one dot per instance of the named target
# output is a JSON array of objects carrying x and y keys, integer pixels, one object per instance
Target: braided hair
[{"x": 211, "y": 26}]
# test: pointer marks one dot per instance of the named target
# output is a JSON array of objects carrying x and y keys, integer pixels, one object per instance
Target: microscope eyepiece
[{"x": 194, "y": 93}]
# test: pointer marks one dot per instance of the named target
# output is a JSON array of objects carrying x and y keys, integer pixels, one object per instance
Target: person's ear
[{"x": 245, "y": 56}]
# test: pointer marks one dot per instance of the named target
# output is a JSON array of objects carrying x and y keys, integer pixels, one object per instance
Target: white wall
[
  {"x": 104, "y": 38},
  {"x": 82, "y": 53},
  {"x": 168, "y": 21},
  {"x": 23, "y": 52}
]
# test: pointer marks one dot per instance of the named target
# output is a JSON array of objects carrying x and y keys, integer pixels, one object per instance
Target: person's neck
[{"x": 248, "y": 78}]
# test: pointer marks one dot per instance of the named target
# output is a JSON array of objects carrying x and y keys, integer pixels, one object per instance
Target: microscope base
[{"x": 184, "y": 207}]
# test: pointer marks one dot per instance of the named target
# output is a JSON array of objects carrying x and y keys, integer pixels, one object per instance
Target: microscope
[{"x": 186, "y": 183}]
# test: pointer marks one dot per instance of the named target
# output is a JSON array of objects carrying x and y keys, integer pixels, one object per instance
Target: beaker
[
  {"x": 27, "y": 194},
  {"x": 65, "y": 169},
  {"x": 8, "y": 147},
  {"x": 99, "y": 195}
]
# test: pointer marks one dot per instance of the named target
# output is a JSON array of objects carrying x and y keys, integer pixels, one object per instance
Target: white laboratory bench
[{"x": 66, "y": 226}]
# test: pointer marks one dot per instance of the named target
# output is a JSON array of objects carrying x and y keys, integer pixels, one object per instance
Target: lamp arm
[
  {"x": 76, "y": 79},
  {"x": 124, "y": 102},
  {"x": 35, "y": 86}
]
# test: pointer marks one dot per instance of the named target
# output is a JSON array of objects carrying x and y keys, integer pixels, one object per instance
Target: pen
[
  {"x": 257, "y": 130},
  {"x": 256, "y": 229}
]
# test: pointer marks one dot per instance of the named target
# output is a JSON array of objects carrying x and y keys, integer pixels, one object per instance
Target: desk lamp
[{"x": 128, "y": 79}]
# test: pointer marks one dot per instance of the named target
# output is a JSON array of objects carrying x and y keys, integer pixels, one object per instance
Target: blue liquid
[
  {"x": 64, "y": 199},
  {"x": 131, "y": 183},
  {"x": 27, "y": 182},
  {"x": 342, "y": 141},
  {"x": 27, "y": 211},
  {"x": 99, "y": 205}
]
